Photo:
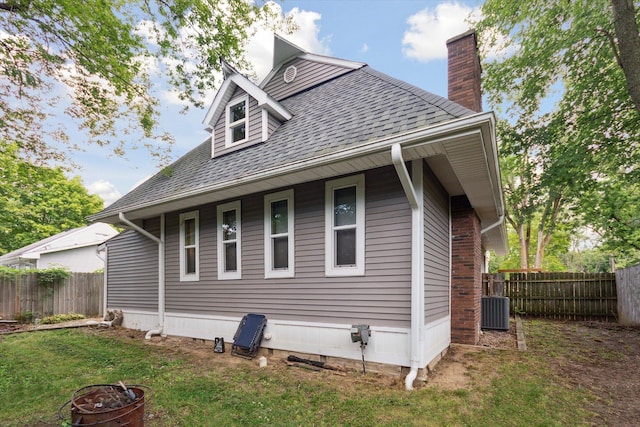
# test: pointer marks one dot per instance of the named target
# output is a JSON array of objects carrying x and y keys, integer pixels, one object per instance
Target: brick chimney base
[{"x": 466, "y": 277}]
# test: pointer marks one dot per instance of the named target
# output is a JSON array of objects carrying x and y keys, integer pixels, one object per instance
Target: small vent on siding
[
  {"x": 290, "y": 74},
  {"x": 495, "y": 313}
]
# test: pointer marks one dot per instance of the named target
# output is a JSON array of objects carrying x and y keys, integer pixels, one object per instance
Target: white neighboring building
[{"x": 75, "y": 249}]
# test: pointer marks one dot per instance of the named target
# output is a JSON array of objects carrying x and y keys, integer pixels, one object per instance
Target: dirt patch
[
  {"x": 605, "y": 359},
  {"x": 453, "y": 371}
]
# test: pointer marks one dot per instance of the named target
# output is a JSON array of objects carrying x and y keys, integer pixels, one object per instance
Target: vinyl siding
[
  {"x": 310, "y": 73},
  {"x": 255, "y": 127},
  {"x": 381, "y": 297},
  {"x": 132, "y": 269},
  {"x": 436, "y": 248}
]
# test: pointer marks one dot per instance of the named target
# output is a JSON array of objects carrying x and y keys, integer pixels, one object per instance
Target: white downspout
[
  {"x": 104, "y": 278},
  {"x": 417, "y": 270},
  {"x": 494, "y": 225},
  {"x": 161, "y": 282}
]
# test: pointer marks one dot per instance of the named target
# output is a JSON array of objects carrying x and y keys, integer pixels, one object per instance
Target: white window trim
[
  {"x": 228, "y": 125},
  {"x": 330, "y": 186},
  {"x": 229, "y": 275},
  {"x": 189, "y": 277},
  {"x": 269, "y": 272}
]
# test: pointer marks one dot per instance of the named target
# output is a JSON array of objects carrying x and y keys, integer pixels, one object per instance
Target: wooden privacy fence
[
  {"x": 22, "y": 296},
  {"x": 628, "y": 281},
  {"x": 577, "y": 296}
]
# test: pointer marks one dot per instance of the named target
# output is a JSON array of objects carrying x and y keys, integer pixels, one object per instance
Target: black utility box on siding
[{"x": 495, "y": 313}]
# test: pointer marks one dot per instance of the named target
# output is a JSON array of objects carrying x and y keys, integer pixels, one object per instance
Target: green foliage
[
  {"x": 25, "y": 317},
  {"x": 102, "y": 55},
  {"x": 574, "y": 127},
  {"x": 188, "y": 389},
  {"x": 594, "y": 260},
  {"x": 60, "y": 318},
  {"x": 50, "y": 276},
  {"x": 38, "y": 202},
  {"x": 8, "y": 272}
]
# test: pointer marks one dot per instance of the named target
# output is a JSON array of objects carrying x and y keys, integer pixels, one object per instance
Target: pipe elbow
[
  {"x": 410, "y": 378},
  {"x": 152, "y": 333}
]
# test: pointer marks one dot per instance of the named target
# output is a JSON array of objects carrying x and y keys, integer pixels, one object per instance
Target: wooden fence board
[
  {"x": 628, "y": 284},
  {"x": 82, "y": 293},
  {"x": 556, "y": 295}
]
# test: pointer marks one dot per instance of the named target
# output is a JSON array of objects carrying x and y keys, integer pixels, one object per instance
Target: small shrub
[
  {"x": 59, "y": 318},
  {"x": 26, "y": 317}
]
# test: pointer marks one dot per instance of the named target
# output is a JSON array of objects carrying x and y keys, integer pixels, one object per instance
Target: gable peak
[{"x": 284, "y": 50}]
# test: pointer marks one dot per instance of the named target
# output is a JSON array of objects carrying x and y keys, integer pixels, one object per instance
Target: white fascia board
[
  {"x": 333, "y": 61},
  {"x": 217, "y": 105},
  {"x": 30, "y": 255},
  {"x": 269, "y": 76},
  {"x": 226, "y": 90},
  {"x": 426, "y": 135}
]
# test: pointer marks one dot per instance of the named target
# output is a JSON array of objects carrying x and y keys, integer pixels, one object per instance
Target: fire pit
[{"x": 106, "y": 405}]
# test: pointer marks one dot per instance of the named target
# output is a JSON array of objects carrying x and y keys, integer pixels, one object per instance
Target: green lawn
[{"x": 39, "y": 371}]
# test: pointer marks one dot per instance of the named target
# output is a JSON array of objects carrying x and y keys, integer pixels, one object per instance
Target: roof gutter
[
  {"x": 428, "y": 134},
  {"x": 161, "y": 269},
  {"x": 412, "y": 190}
]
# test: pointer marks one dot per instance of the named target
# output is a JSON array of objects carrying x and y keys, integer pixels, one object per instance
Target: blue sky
[{"x": 403, "y": 38}]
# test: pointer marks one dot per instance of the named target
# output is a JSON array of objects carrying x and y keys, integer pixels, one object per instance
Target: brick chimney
[
  {"x": 464, "y": 71},
  {"x": 466, "y": 247}
]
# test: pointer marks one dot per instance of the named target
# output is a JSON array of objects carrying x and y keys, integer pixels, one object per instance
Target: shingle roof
[{"x": 360, "y": 106}]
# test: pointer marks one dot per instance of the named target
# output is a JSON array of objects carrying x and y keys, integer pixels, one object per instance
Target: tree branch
[
  {"x": 12, "y": 6},
  {"x": 624, "y": 22}
]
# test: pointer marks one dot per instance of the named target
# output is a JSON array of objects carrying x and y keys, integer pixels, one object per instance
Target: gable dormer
[
  {"x": 295, "y": 70},
  {"x": 242, "y": 114}
]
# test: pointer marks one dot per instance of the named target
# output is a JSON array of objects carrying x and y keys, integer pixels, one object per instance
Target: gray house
[{"x": 329, "y": 195}]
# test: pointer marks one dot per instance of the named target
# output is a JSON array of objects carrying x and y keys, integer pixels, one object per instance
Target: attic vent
[{"x": 290, "y": 74}]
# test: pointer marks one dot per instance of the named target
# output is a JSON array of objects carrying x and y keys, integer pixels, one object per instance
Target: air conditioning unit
[{"x": 495, "y": 313}]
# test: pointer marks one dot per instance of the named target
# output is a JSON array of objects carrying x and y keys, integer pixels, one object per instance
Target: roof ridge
[{"x": 433, "y": 99}]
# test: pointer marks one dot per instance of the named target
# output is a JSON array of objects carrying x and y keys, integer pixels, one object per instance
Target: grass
[{"x": 39, "y": 372}]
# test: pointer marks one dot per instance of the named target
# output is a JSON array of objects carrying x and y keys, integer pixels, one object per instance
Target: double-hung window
[
  {"x": 229, "y": 239},
  {"x": 237, "y": 121},
  {"x": 344, "y": 226},
  {"x": 189, "y": 247},
  {"x": 278, "y": 235}
]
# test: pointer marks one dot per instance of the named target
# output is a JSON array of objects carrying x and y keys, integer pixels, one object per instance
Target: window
[
  {"x": 237, "y": 121},
  {"x": 229, "y": 249},
  {"x": 278, "y": 235},
  {"x": 344, "y": 226},
  {"x": 189, "y": 247}
]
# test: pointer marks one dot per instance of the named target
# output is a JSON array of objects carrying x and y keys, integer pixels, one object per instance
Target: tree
[
  {"x": 611, "y": 208},
  {"x": 542, "y": 182},
  {"x": 38, "y": 202},
  {"x": 566, "y": 69},
  {"x": 96, "y": 59}
]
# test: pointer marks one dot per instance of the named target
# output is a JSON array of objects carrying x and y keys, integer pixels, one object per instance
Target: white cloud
[
  {"x": 306, "y": 36},
  {"x": 104, "y": 189},
  {"x": 259, "y": 48},
  {"x": 429, "y": 29},
  {"x": 364, "y": 48},
  {"x": 495, "y": 46}
]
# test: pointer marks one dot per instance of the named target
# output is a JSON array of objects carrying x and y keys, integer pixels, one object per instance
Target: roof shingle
[{"x": 361, "y": 106}]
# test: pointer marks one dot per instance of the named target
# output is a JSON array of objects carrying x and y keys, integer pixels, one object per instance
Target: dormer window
[{"x": 237, "y": 121}]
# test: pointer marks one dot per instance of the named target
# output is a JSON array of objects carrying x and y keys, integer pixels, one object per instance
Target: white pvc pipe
[{"x": 152, "y": 332}]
